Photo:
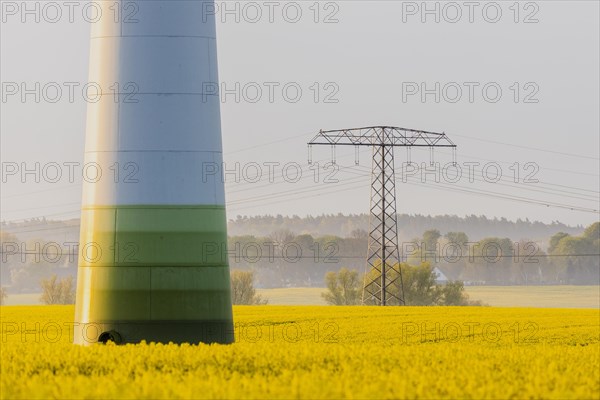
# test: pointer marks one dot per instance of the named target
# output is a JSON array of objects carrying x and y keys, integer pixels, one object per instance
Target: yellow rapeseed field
[{"x": 318, "y": 352}]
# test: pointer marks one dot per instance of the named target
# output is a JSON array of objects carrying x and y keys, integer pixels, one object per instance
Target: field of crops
[{"x": 318, "y": 352}]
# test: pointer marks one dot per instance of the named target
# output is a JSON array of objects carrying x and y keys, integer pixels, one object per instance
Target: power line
[
  {"x": 37, "y": 208},
  {"x": 269, "y": 143},
  {"x": 42, "y": 191},
  {"x": 529, "y": 148},
  {"x": 505, "y": 179},
  {"x": 335, "y": 188},
  {"x": 541, "y": 168},
  {"x": 308, "y": 176},
  {"x": 437, "y": 186},
  {"x": 294, "y": 192},
  {"x": 503, "y": 196},
  {"x": 574, "y": 195}
]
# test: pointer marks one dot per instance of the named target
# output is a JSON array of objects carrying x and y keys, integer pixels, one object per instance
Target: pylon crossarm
[{"x": 382, "y": 135}]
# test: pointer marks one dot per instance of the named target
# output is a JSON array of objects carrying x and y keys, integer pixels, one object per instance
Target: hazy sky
[{"x": 357, "y": 63}]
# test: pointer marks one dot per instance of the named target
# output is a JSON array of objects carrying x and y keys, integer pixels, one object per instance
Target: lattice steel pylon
[{"x": 383, "y": 280}]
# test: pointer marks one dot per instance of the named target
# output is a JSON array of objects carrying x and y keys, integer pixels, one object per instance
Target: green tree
[
  {"x": 430, "y": 239},
  {"x": 305, "y": 242},
  {"x": 527, "y": 263},
  {"x": 359, "y": 234},
  {"x": 58, "y": 291},
  {"x": 460, "y": 238},
  {"x": 282, "y": 236},
  {"x": 592, "y": 232},
  {"x": 577, "y": 256},
  {"x": 3, "y": 295},
  {"x": 67, "y": 290},
  {"x": 555, "y": 239},
  {"x": 421, "y": 289},
  {"x": 454, "y": 253},
  {"x": 493, "y": 259},
  {"x": 242, "y": 289},
  {"x": 454, "y": 294},
  {"x": 343, "y": 288}
]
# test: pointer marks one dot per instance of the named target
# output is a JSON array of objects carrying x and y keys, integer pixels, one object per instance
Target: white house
[{"x": 440, "y": 276}]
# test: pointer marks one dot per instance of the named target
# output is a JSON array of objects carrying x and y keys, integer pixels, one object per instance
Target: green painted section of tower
[
  {"x": 187, "y": 236},
  {"x": 154, "y": 273}
]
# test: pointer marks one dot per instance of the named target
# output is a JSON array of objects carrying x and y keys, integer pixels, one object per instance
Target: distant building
[{"x": 440, "y": 276}]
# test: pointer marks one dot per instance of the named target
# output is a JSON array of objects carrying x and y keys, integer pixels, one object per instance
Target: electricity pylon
[{"x": 383, "y": 280}]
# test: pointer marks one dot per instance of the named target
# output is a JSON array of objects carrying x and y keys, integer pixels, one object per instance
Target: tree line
[
  {"x": 409, "y": 226},
  {"x": 287, "y": 259}
]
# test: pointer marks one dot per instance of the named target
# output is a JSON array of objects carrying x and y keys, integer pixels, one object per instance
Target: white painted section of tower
[
  {"x": 161, "y": 177},
  {"x": 169, "y": 128}
]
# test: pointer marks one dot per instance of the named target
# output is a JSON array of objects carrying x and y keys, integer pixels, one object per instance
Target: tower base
[{"x": 178, "y": 332}]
